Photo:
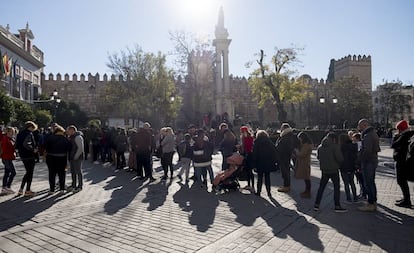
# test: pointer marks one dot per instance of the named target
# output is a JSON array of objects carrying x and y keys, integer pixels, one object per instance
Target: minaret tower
[{"x": 221, "y": 43}]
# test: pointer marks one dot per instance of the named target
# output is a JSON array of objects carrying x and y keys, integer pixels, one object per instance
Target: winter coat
[
  {"x": 303, "y": 161},
  {"x": 330, "y": 156},
  {"x": 400, "y": 146},
  {"x": 350, "y": 152},
  {"x": 141, "y": 141},
  {"x": 168, "y": 143},
  {"x": 228, "y": 147},
  {"x": 370, "y": 145},
  {"x": 121, "y": 143},
  {"x": 264, "y": 154},
  {"x": 28, "y": 144},
  {"x": 202, "y": 155},
  {"x": 285, "y": 145},
  {"x": 77, "y": 147},
  {"x": 7, "y": 148},
  {"x": 57, "y": 145}
]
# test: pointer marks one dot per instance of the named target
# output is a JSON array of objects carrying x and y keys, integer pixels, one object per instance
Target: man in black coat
[{"x": 285, "y": 145}]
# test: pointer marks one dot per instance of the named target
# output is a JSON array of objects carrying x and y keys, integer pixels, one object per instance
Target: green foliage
[
  {"x": 273, "y": 83},
  {"x": 147, "y": 89},
  {"x": 23, "y": 112},
  {"x": 42, "y": 117},
  {"x": 6, "y": 108},
  {"x": 352, "y": 101},
  {"x": 95, "y": 122}
]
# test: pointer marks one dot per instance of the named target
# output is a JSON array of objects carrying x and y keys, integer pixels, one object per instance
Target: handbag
[{"x": 235, "y": 159}]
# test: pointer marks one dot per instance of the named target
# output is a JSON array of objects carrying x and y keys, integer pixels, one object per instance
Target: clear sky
[{"x": 76, "y": 36}]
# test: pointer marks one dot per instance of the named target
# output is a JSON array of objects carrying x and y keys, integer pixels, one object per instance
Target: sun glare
[{"x": 195, "y": 8}]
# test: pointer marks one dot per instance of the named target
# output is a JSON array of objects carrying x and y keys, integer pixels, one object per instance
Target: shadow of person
[
  {"x": 387, "y": 228},
  {"x": 18, "y": 210},
  {"x": 125, "y": 191},
  {"x": 199, "y": 203},
  {"x": 248, "y": 208},
  {"x": 157, "y": 194},
  {"x": 95, "y": 173}
]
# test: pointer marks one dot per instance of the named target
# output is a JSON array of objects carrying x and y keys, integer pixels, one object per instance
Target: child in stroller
[{"x": 227, "y": 180}]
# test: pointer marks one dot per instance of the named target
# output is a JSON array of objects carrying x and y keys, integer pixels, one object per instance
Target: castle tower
[{"x": 221, "y": 44}]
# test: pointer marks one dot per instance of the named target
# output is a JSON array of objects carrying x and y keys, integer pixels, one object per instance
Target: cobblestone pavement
[{"x": 116, "y": 212}]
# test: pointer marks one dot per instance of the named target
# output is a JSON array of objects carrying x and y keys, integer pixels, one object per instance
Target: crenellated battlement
[
  {"x": 89, "y": 78},
  {"x": 354, "y": 58}
]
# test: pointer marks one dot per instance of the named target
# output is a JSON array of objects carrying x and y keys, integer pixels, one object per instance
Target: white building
[{"x": 25, "y": 63}]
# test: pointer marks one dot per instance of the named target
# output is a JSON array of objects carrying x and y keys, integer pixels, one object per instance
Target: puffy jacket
[
  {"x": 264, "y": 154},
  {"x": 7, "y": 147},
  {"x": 27, "y": 146},
  {"x": 330, "y": 156}
]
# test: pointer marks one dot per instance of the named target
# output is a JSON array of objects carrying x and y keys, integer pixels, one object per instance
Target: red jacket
[
  {"x": 7, "y": 147},
  {"x": 248, "y": 144}
]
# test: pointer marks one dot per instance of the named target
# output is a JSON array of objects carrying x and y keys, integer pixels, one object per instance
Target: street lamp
[
  {"x": 54, "y": 98},
  {"x": 322, "y": 100}
]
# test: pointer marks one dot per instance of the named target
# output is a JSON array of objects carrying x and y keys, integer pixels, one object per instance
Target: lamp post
[
  {"x": 54, "y": 98},
  {"x": 323, "y": 101}
]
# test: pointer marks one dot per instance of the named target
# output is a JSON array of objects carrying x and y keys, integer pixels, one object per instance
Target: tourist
[
  {"x": 227, "y": 147},
  {"x": 330, "y": 158},
  {"x": 142, "y": 147},
  {"x": 121, "y": 145},
  {"x": 246, "y": 149},
  {"x": 369, "y": 163},
  {"x": 185, "y": 150},
  {"x": 285, "y": 144},
  {"x": 57, "y": 147},
  {"x": 202, "y": 158},
  {"x": 26, "y": 146},
  {"x": 303, "y": 162},
  {"x": 167, "y": 144},
  {"x": 8, "y": 154},
  {"x": 76, "y": 155},
  {"x": 348, "y": 166},
  {"x": 264, "y": 160},
  {"x": 400, "y": 145}
]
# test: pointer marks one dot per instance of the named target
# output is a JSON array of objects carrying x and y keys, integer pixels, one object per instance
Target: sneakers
[
  {"x": 284, "y": 189},
  {"x": 339, "y": 209},
  {"x": 406, "y": 204},
  {"x": 20, "y": 192},
  {"x": 29, "y": 194},
  {"x": 368, "y": 208}
]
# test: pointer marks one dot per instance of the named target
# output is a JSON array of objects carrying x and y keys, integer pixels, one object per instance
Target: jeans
[
  {"x": 76, "y": 171},
  {"x": 56, "y": 165},
  {"x": 166, "y": 161},
  {"x": 285, "y": 170},
  {"x": 201, "y": 174},
  {"x": 324, "y": 181},
  {"x": 368, "y": 171},
  {"x": 348, "y": 178},
  {"x": 29, "y": 165},
  {"x": 260, "y": 181},
  {"x": 9, "y": 173},
  {"x": 120, "y": 160},
  {"x": 185, "y": 167},
  {"x": 401, "y": 180},
  {"x": 143, "y": 159}
]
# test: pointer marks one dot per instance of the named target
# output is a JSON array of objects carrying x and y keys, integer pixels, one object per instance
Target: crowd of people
[{"x": 348, "y": 156}]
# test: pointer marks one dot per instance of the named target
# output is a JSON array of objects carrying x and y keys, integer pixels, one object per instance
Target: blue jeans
[
  {"x": 368, "y": 172},
  {"x": 9, "y": 173},
  {"x": 324, "y": 181},
  {"x": 201, "y": 174}
]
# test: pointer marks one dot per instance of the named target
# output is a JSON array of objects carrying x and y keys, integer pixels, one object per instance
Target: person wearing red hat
[
  {"x": 246, "y": 149},
  {"x": 400, "y": 145}
]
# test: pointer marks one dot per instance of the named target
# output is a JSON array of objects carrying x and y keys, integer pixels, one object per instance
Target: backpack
[{"x": 410, "y": 159}]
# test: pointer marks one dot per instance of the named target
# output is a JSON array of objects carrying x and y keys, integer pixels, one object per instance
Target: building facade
[{"x": 23, "y": 62}]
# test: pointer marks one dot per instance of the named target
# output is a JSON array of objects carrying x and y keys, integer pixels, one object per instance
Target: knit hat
[
  {"x": 244, "y": 129},
  {"x": 402, "y": 125}
]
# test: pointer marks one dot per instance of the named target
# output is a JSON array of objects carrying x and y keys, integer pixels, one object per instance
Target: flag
[
  {"x": 5, "y": 64},
  {"x": 13, "y": 71},
  {"x": 2, "y": 70}
]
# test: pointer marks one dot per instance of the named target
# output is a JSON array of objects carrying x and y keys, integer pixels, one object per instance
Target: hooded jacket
[{"x": 330, "y": 156}]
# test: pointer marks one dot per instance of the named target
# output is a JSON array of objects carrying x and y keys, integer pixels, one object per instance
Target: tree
[
  {"x": 42, "y": 117},
  {"x": 145, "y": 89},
  {"x": 273, "y": 82},
  {"x": 6, "y": 108},
  {"x": 23, "y": 112},
  {"x": 194, "y": 59},
  {"x": 352, "y": 102}
]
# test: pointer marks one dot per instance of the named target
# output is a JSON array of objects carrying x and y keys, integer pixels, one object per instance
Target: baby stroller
[{"x": 227, "y": 180}]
